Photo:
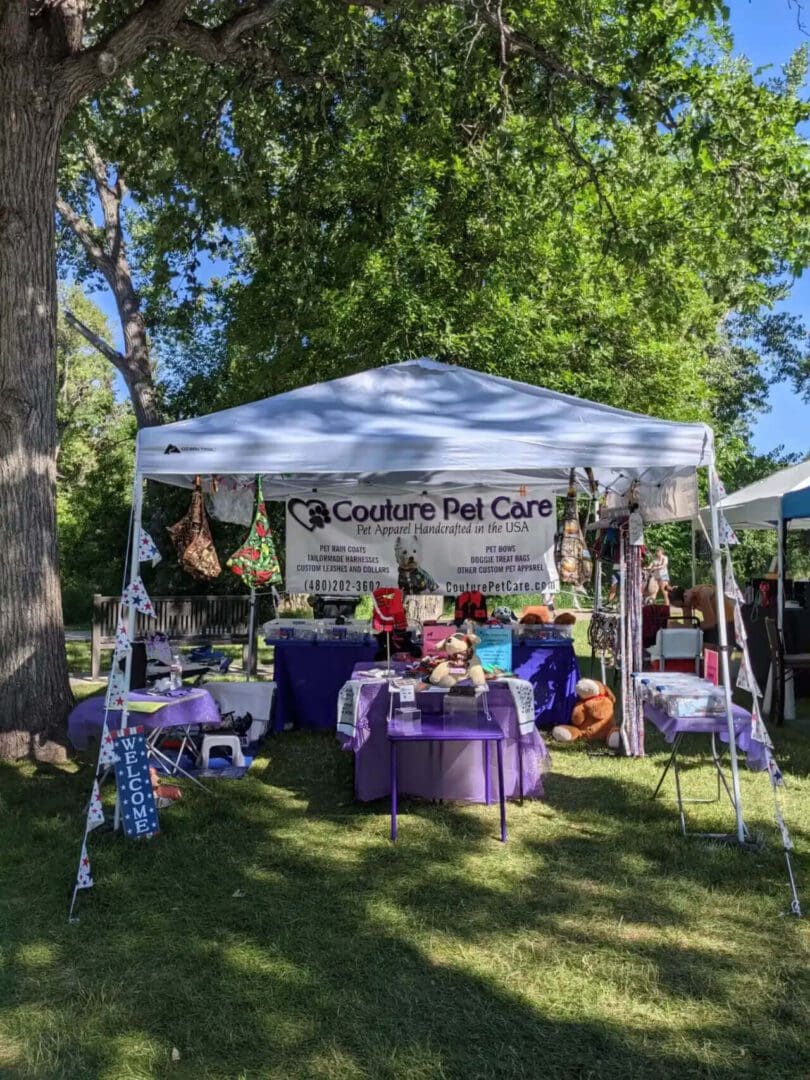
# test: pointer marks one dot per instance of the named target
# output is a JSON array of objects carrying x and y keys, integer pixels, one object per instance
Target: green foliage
[
  {"x": 95, "y": 464},
  {"x": 586, "y": 217},
  {"x": 607, "y": 204}
]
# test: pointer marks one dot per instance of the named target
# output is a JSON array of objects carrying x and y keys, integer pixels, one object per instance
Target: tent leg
[
  {"x": 723, "y": 644},
  {"x": 251, "y": 646},
  {"x": 623, "y": 638},
  {"x": 694, "y": 554}
]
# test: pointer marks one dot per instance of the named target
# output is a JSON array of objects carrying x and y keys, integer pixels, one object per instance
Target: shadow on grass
[{"x": 273, "y": 931}]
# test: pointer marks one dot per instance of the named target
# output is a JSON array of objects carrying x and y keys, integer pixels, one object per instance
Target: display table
[
  {"x": 308, "y": 676},
  {"x": 176, "y": 708},
  {"x": 551, "y": 667},
  {"x": 675, "y": 728},
  {"x": 439, "y": 770},
  {"x": 478, "y": 727}
]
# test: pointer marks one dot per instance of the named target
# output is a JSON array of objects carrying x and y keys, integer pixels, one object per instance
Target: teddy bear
[
  {"x": 412, "y": 578},
  {"x": 591, "y": 717},
  {"x": 461, "y": 662},
  {"x": 537, "y": 615}
]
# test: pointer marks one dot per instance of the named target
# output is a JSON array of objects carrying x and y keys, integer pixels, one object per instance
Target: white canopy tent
[
  {"x": 781, "y": 502},
  {"x": 784, "y": 495},
  {"x": 417, "y": 422},
  {"x": 428, "y": 424}
]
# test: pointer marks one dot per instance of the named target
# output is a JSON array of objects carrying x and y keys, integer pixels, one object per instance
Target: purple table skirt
[
  {"x": 442, "y": 770},
  {"x": 671, "y": 726},
  {"x": 308, "y": 677},
  {"x": 192, "y": 706},
  {"x": 551, "y": 667}
]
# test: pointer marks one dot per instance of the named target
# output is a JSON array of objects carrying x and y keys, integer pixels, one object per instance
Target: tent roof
[
  {"x": 414, "y": 420},
  {"x": 756, "y": 506}
]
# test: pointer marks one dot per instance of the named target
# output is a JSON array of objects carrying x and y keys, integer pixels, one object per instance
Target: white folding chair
[{"x": 677, "y": 644}]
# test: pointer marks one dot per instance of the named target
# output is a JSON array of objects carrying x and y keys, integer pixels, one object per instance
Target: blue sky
[{"x": 766, "y": 32}]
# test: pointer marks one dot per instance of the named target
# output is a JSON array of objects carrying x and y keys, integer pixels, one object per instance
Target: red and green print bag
[{"x": 256, "y": 562}]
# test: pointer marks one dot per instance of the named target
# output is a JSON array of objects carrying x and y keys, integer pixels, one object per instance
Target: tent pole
[
  {"x": 694, "y": 554},
  {"x": 134, "y": 571},
  {"x": 722, "y": 629},
  {"x": 251, "y": 634},
  {"x": 132, "y": 614},
  {"x": 788, "y": 707},
  {"x": 780, "y": 570},
  {"x": 623, "y": 636}
]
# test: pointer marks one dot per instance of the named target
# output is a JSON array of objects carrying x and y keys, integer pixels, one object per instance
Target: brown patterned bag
[{"x": 192, "y": 538}]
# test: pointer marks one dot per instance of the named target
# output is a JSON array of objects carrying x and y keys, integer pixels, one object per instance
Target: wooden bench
[{"x": 186, "y": 620}]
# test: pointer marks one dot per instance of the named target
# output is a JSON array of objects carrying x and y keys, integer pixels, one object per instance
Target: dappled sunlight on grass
[{"x": 273, "y": 931}]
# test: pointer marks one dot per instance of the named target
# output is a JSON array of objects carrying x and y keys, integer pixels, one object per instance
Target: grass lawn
[{"x": 273, "y": 931}]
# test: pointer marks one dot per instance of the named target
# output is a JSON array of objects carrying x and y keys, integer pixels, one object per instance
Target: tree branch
[
  {"x": 110, "y": 199},
  {"x": 222, "y": 42},
  {"x": 84, "y": 231},
  {"x": 116, "y": 358},
  {"x": 156, "y": 22},
  {"x": 585, "y": 162}
]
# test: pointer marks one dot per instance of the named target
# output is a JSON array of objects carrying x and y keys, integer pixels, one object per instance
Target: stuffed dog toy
[
  {"x": 591, "y": 717},
  {"x": 412, "y": 578},
  {"x": 462, "y": 662}
]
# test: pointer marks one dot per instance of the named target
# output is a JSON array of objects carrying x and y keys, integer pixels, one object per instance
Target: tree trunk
[
  {"x": 34, "y": 689},
  {"x": 137, "y": 368}
]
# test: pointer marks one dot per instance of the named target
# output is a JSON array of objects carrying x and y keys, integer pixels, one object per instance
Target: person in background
[
  {"x": 659, "y": 576},
  {"x": 614, "y": 583},
  {"x": 703, "y": 598}
]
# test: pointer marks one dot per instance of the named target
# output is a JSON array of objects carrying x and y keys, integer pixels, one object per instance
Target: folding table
[
  {"x": 477, "y": 726},
  {"x": 675, "y": 728}
]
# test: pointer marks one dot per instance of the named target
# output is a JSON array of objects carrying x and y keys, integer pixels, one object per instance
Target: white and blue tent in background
[{"x": 784, "y": 496}]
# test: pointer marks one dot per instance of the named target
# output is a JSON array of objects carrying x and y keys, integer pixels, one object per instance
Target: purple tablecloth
[
  {"x": 551, "y": 667},
  {"x": 671, "y": 726},
  {"x": 308, "y": 676},
  {"x": 447, "y": 770},
  {"x": 190, "y": 706}
]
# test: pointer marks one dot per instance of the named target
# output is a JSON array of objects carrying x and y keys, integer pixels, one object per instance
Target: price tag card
[{"x": 406, "y": 694}]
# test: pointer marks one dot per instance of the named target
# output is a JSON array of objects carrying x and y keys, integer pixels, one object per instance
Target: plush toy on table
[
  {"x": 591, "y": 717},
  {"x": 461, "y": 662}
]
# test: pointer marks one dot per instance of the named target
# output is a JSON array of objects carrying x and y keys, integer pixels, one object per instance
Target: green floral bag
[{"x": 256, "y": 562}]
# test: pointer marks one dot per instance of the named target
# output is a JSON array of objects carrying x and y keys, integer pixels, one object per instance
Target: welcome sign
[
  {"x": 500, "y": 542},
  {"x": 136, "y": 798}
]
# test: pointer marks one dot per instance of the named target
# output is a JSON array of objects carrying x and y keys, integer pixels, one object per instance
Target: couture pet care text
[
  {"x": 446, "y": 542},
  {"x": 420, "y": 517}
]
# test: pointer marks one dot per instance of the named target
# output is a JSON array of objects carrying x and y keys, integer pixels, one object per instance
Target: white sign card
[{"x": 498, "y": 542}]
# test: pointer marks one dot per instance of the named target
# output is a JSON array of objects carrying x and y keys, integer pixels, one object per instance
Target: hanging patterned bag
[
  {"x": 573, "y": 558},
  {"x": 256, "y": 562},
  {"x": 192, "y": 538}
]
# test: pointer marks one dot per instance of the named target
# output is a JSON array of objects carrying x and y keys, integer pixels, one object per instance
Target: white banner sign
[{"x": 499, "y": 543}]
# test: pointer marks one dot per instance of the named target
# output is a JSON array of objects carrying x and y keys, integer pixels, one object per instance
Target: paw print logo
[
  {"x": 318, "y": 514},
  {"x": 312, "y": 514}
]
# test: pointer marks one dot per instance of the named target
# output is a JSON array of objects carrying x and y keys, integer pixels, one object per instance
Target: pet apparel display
[
  {"x": 191, "y": 536},
  {"x": 573, "y": 558},
  {"x": 389, "y": 613},
  {"x": 256, "y": 562},
  {"x": 471, "y": 607}
]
